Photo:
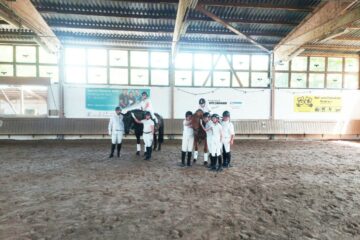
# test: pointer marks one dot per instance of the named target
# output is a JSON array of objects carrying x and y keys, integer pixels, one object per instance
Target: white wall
[
  {"x": 284, "y": 104},
  {"x": 242, "y": 103},
  {"x": 75, "y": 101}
]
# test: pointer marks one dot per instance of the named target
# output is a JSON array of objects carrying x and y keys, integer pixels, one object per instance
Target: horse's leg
[
  {"x": 196, "y": 141},
  {"x": 138, "y": 146}
]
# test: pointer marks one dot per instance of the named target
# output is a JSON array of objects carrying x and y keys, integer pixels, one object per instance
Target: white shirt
[
  {"x": 216, "y": 132},
  {"x": 146, "y": 105},
  {"x": 147, "y": 125},
  {"x": 228, "y": 129},
  {"x": 206, "y": 108},
  {"x": 116, "y": 123},
  {"x": 208, "y": 125},
  {"x": 188, "y": 130}
]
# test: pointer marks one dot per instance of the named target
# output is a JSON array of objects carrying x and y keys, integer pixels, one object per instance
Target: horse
[
  {"x": 130, "y": 124},
  {"x": 199, "y": 133}
]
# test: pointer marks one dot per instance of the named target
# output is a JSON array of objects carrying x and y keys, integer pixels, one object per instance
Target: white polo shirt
[
  {"x": 228, "y": 129},
  {"x": 116, "y": 123},
  {"x": 147, "y": 125},
  {"x": 188, "y": 130},
  {"x": 146, "y": 105},
  {"x": 216, "y": 132}
]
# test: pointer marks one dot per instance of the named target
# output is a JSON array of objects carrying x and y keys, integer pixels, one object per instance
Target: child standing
[
  {"x": 187, "y": 140},
  {"x": 116, "y": 130},
  {"x": 228, "y": 138},
  {"x": 148, "y": 132},
  {"x": 215, "y": 143},
  {"x": 208, "y": 124}
]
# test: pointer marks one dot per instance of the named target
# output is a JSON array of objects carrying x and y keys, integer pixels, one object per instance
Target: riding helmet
[
  {"x": 202, "y": 101},
  {"x": 188, "y": 113},
  {"x": 147, "y": 113},
  {"x": 226, "y": 114},
  {"x": 117, "y": 109},
  {"x": 144, "y": 93},
  {"x": 206, "y": 114},
  {"x": 215, "y": 116}
]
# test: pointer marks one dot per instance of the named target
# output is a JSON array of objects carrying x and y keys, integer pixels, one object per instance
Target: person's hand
[
  {"x": 133, "y": 115},
  {"x": 231, "y": 141}
]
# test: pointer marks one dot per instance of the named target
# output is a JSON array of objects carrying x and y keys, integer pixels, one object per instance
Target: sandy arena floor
[{"x": 276, "y": 190}]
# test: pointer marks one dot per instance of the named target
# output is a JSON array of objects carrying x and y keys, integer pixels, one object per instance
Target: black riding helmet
[
  {"x": 202, "y": 101},
  {"x": 144, "y": 93},
  {"x": 188, "y": 113},
  {"x": 206, "y": 114},
  {"x": 226, "y": 114},
  {"x": 215, "y": 116},
  {"x": 147, "y": 113},
  {"x": 117, "y": 109}
]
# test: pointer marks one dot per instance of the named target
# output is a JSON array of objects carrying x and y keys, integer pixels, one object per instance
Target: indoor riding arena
[{"x": 179, "y": 119}]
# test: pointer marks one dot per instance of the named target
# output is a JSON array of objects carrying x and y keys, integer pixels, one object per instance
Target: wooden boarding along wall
[{"x": 274, "y": 128}]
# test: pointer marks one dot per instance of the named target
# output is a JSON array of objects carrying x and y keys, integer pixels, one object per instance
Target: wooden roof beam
[
  {"x": 24, "y": 14},
  {"x": 231, "y": 28},
  {"x": 325, "y": 20},
  {"x": 332, "y": 47},
  {"x": 181, "y": 23}
]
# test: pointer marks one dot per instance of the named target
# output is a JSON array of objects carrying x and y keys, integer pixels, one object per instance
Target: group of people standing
[
  {"x": 219, "y": 138},
  {"x": 116, "y": 127},
  {"x": 219, "y": 134}
]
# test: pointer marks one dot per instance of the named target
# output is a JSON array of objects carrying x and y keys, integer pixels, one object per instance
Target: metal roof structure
[{"x": 150, "y": 23}]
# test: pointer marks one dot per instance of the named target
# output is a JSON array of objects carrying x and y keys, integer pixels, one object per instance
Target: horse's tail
[{"x": 161, "y": 128}]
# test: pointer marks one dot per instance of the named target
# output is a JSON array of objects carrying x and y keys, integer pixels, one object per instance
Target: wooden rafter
[
  {"x": 327, "y": 19},
  {"x": 231, "y": 28},
  {"x": 332, "y": 47},
  {"x": 24, "y": 14}
]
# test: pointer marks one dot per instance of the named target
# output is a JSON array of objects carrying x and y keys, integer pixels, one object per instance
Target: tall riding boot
[
  {"x": 213, "y": 163},
  {"x": 189, "y": 154},
  {"x": 228, "y": 159},
  {"x": 225, "y": 160},
  {"x": 183, "y": 155},
  {"x": 150, "y": 149},
  {"x": 118, "y": 149},
  {"x": 112, "y": 150},
  {"x": 220, "y": 167},
  {"x": 148, "y": 153}
]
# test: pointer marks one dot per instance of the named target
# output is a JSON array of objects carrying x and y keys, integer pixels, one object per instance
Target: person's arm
[
  {"x": 205, "y": 129},
  {"x": 152, "y": 129},
  {"x": 110, "y": 125},
  {"x": 135, "y": 119},
  {"x": 232, "y": 132}
]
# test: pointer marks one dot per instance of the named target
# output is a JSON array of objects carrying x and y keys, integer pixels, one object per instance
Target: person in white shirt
[
  {"x": 116, "y": 131},
  {"x": 208, "y": 124},
  {"x": 204, "y": 106},
  {"x": 228, "y": 138},
  {"x": 187, "y": 140},
  {"x": 215, "y": 143},
  {"x": 148, "y": 133},
  {"x": 146, "y": 105}
]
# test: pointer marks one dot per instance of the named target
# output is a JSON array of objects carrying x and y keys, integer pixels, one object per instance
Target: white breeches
[
  {"x": 116, "y": 137},
  {"x": 148, "y": 139},
  {"x": 187, "y": 143},
  {"x": 215, "y": 148},
  {"x": 208, "y": 141},
  {"x": 226, "y": 144}
]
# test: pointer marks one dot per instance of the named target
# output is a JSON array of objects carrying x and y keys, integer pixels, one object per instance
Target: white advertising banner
[{"x": 242, "y": 103}]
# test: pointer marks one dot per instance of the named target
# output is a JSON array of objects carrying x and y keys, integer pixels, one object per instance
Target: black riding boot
[
  {"x": 213, "y": 163},
  {"x": 112, "y": 150},
  {"x": 189, "y": 154},
  {"x": 228, "y": 159},
  {"x": 220, "y": 166},
  {"x": 148, "y": 153},
  {"x": 183, "y": 155},
  {"x": 118, "y": 149},
  {"x": 225, "y": 160}
]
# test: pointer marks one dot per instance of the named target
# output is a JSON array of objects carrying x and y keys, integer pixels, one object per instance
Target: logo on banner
[{"x": 325, "y": 104}]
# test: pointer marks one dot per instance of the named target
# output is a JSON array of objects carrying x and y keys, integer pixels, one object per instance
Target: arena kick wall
[{"x": 250, "y": 108}]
